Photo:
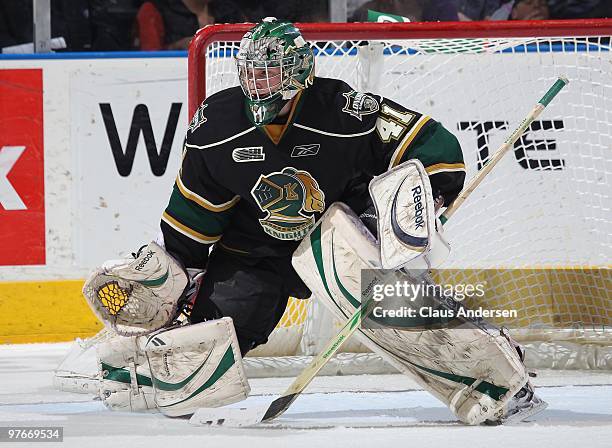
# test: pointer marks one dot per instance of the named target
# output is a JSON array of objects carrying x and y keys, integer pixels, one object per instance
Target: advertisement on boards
[
  {"x": 127, "y": 134},
  {"x": 22, "y": 185}
]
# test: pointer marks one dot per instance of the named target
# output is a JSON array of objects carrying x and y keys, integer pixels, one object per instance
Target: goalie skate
[{"x": 522, "y": 406}]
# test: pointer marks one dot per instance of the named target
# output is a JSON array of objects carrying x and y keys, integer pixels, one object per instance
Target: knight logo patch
[
  {"x": 290, "y": 198},
  {"x": 359, "y": 104}
]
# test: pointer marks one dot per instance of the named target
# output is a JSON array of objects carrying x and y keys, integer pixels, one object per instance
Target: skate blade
[
  {"x": 524, "y": 414},
  {"x": 227, "y": 417}
]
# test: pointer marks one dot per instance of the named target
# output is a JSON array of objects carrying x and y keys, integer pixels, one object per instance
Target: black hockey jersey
[{"x": 259, "y": 191}]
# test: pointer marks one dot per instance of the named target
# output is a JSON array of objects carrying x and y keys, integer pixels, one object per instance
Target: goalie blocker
[
  {"x": 475, "y": 370},
  {"x": 408, "y": 234}
]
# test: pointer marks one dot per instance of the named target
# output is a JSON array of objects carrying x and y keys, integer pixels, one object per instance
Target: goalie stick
[
  {"x": 237, "y": 417},
  {"x": 503, "y": 149}
]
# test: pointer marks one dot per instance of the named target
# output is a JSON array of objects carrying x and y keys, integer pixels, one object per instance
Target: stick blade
[
  {"x": 279, "y": 406},
  {"x": 227, "y": 417}
]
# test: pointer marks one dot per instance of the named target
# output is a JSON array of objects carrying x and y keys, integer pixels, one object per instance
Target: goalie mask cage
[{"x": 544, "y": 209}]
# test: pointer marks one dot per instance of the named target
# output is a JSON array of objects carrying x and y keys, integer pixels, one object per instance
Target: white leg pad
[
  {"x": 196, "y": 366},
  {"x": 475, "y": 372},
  {"x": 125, "y": 380}
]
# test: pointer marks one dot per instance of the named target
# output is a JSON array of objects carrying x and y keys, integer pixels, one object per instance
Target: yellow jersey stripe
[
  {"x": 188, "y": 194},
  {"x": 188, "y": 232},
  {"x": 401, "y": 148},
  {"x": 442, "y": 167},
  {"x": 231, "y": 249}
]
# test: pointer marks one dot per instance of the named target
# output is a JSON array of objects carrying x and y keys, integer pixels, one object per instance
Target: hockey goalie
[{"x": 274, "y": 175}]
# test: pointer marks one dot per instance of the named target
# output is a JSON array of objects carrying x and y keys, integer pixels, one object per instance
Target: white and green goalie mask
[{"x": 274, "y": 63}]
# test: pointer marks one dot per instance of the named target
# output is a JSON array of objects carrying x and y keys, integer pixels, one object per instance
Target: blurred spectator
[
  {"x": 579, "y": 9},
  {"x": 170, "y": 24},
  {"x": 112, "y": 24},
  {"x": 484, "y": 9},
  {"x": 217, "y": 11},
  {"x": 69, "y": 20},
  {"x": 503, "y": 10},
  {"x": 411, "y": 9},
  {"x": 441, "y": 10},
  {"x": 76, "y": 25},
  {"x": 182, "y": 18},
  {"x": 434, "y": 10},
  {"x": 225, "y": 11},
  {"x": 15, "y": 22},
  {"x": 236, "y": 11},
  {"x": 530, "y": 10},
  {"x": 200, "y": 8},
  {"x": 180, "y": 23},
  {"x": 150, "y": 27},
  {"x": 291, "y": 10}
]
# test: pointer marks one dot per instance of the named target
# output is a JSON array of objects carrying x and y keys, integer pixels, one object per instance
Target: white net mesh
[{"x": 547, "y": 205}]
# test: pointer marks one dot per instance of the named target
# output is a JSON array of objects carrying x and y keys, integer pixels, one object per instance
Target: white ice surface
[{"x": 350, "y": 411}]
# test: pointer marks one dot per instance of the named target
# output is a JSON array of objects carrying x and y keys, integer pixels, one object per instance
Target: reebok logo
[
  {"x": 145, "y": 260},
  {"x": 306, "y": 150},
  {"x": 249, "y": 154},
  {"x": 413, "y": 240},
  {"x": 418, "y": 208}
]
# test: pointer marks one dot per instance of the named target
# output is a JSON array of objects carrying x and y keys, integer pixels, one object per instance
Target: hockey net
[{"x": 539, "y": 227}]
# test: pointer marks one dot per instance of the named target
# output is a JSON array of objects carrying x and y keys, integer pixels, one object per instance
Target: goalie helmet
[{"x": 274, "y": 63}]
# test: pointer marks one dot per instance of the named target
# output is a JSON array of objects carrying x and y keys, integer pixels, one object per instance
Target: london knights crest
[
  {"x": 359, "y": 104},
  {"x": 290, "y": 198}
]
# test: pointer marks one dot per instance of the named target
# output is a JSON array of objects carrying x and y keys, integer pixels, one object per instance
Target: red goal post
[{"x": 381, "y": 31}]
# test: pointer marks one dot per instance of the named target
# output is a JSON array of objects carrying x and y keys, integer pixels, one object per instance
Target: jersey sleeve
[
  {"x": 402, "y": 134},
  {"x": 198, "y": 211}
]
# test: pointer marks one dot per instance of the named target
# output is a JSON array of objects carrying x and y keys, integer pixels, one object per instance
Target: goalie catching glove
[{"x": 137, "y": 296}]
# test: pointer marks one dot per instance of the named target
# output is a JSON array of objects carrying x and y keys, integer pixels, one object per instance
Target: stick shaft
[
  {"x": 282, "y": 403},
  {"x": 504, "y": 148}
]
